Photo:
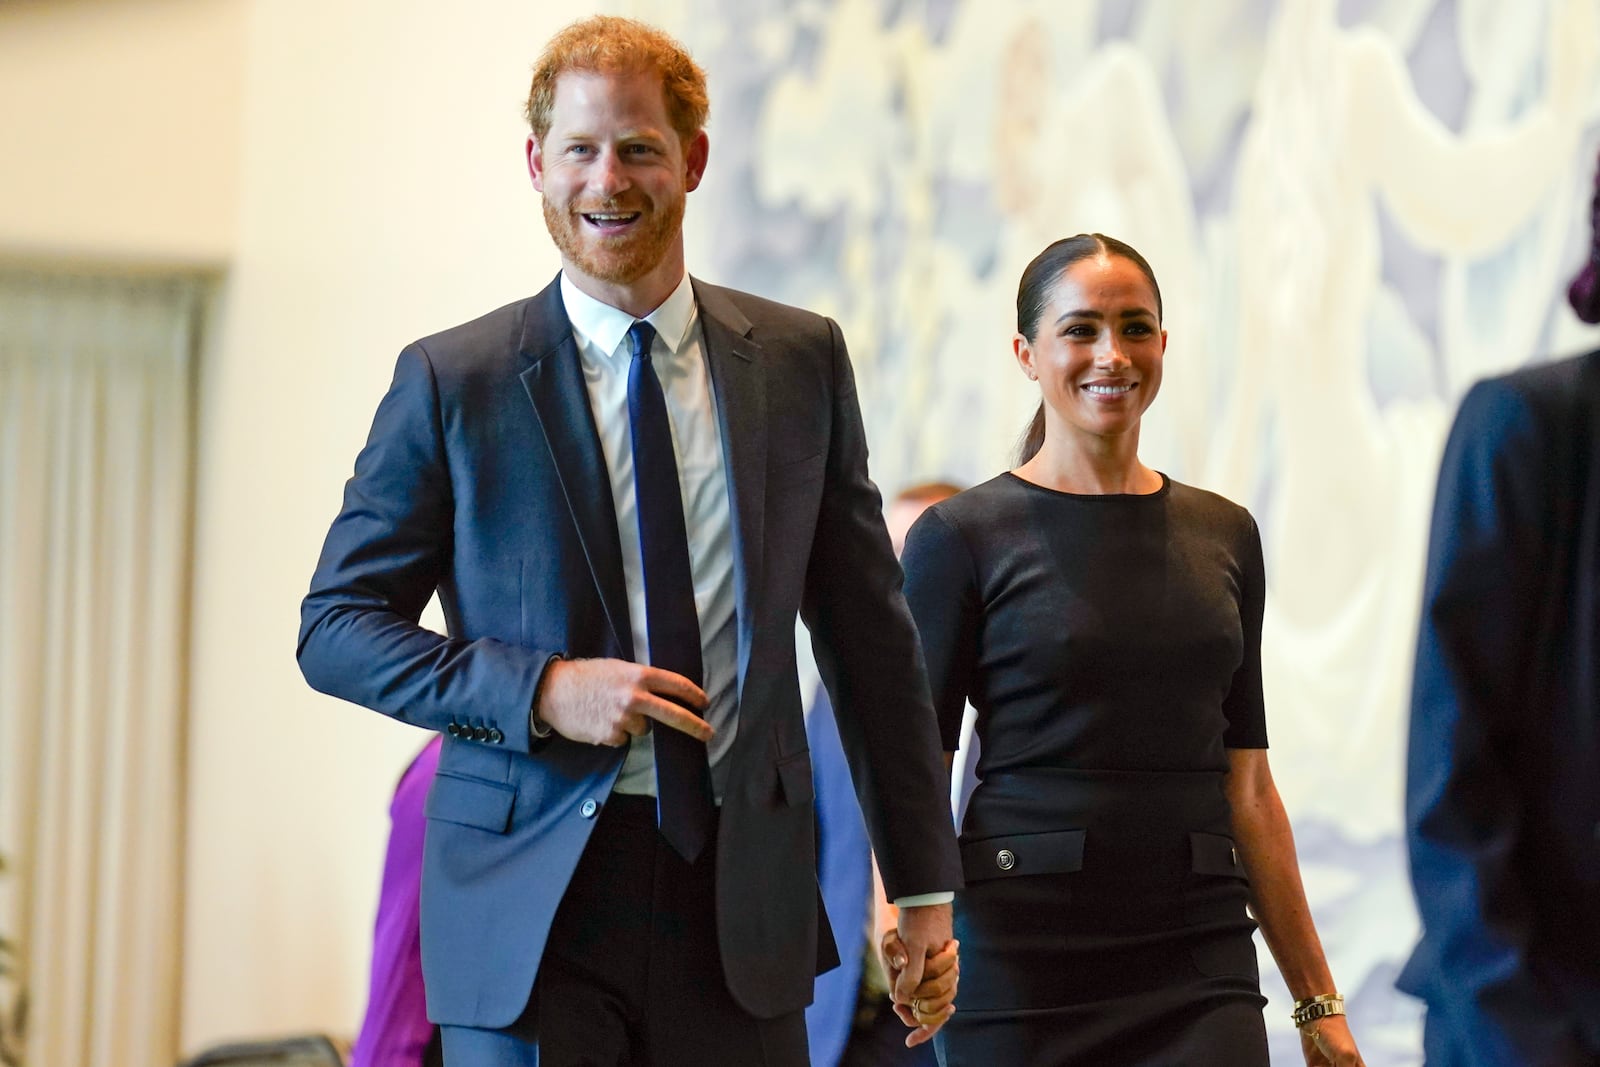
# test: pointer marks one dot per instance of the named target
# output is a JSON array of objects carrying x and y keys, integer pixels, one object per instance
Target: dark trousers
[{"x": 631, "y": 975}]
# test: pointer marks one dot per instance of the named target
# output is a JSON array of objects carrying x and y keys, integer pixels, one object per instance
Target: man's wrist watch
[{"x": 1311, "y": 1009}]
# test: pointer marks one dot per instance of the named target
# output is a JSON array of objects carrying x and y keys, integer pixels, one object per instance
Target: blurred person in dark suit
[
  {"x": 852, "y": 1022},
  {"x": 1503, "y": 769},
  {"x": 623, "y": 490}
]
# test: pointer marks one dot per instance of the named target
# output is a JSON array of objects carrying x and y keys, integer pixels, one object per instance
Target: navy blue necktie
[{"x": 683, "y": 776}]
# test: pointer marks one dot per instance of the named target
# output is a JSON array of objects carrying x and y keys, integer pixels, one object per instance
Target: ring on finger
[{"x": 916, "y": 1005}]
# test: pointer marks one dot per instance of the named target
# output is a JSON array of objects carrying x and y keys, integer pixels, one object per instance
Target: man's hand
[
  {"x": 607, "y": 701},
  {"x": 924, "y": 969}
]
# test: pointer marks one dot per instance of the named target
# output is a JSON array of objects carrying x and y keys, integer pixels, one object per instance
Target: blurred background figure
[
  {"x": 1503, "y": 782},
  {"x": 396, "y": 1031},
  {"x": 851, "y": 1023}
]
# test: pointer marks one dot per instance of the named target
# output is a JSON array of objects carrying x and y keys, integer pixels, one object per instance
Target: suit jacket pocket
[
  {"x": 1053, "y": 852},
  {"x": 794, "y": 775},
  {"x": 474, "y": 802},
  {"x": 789, "y": 471}
]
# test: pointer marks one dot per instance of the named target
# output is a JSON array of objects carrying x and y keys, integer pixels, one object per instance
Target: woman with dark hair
[{"x": 1105, "y": 622}]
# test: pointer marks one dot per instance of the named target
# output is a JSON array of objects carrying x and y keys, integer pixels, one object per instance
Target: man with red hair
[{"x": 623, "y": 490}]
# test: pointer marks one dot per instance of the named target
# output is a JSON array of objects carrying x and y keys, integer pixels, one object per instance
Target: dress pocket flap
[
  {"x": 1215, "y": 854},
  {"x": 474, "y": 802},
  {"x": 794, "y": 772},
  {"x": 1056, "y": 852}
]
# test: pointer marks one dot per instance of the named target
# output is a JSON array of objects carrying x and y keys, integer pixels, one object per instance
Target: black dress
[{"x": 1111, "y": 647}]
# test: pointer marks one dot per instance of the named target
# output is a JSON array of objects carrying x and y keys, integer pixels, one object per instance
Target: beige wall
[
  {"x": 383, "y": 197},
  {"x": 121, "y": 128}
]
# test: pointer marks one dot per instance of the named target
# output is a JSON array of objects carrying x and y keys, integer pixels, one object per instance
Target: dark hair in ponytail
[
  {"x": 1585, "y": 292},
  {"x": 1038, "y": 284}
]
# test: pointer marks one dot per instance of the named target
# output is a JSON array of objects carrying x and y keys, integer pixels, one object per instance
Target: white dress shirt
[{"x": 679, "y": 356}]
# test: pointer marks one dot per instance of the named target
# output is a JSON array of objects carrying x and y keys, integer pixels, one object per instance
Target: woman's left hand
[{"x": 1329, "y": 1043}]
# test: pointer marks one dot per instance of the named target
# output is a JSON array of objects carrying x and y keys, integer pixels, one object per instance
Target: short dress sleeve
[
  {"x": 1244, "y": 706},
  {"x": 942, "y": 592}
]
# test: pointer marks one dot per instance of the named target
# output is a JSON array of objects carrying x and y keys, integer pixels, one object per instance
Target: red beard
[{"x": 625, "y": 257}]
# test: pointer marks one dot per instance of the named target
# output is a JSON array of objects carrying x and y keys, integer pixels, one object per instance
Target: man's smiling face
[{"x": 615, "y": 177}]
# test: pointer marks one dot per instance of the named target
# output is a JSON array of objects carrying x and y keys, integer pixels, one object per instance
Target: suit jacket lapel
[
  {"x": 554, "y": 382},
  {"x": 738, "y": 385}
]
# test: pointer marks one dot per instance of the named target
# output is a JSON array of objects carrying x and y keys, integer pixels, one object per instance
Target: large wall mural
[{"x": 1355, "y": 209}]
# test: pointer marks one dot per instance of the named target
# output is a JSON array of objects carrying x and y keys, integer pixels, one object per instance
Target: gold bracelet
[{"x": 1311, "y": 1009}]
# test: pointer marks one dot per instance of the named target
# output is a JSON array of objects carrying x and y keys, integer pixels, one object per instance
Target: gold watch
[{"x": 1311, "y": 1009}]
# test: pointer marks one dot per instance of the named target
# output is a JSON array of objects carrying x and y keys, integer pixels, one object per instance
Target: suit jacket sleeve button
[
  {"x": 479, "y": 733},
  {"x": 588, "y": 808},
  {"x": 1005, "y": 859},
  {"x": 453, "y": 730},
  {"x": 495, "y": 736}
]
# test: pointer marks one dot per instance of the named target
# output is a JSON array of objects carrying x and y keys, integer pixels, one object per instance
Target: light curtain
[{"x": 95, "y": 455}]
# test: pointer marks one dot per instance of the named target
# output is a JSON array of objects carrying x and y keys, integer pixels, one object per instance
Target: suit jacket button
[
  {"x": 1005, "y": 859},
  {"x": 453, "y": 730},
  {"x": 588, "y": 808},
  {"x": 479, "y": 733},
  {"x": 495, "y": 736}
]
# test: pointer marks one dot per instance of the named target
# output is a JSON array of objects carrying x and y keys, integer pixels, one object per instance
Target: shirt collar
[{"x": 604, "y": 326}]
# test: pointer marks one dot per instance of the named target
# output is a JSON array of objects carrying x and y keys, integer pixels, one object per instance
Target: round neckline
[{"x": 1166, "y": 487}]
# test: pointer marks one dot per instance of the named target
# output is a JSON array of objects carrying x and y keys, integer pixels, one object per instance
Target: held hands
[
  {"x": 607, "y": 701},
  {"x": 924, "y": 969},
  {"x": 1329, "y": 1043}
]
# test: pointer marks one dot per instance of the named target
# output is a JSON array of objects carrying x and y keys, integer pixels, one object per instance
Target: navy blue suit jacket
[
  {"x": 1503, "y": 782},
  {"x": 483, "y": 479}
]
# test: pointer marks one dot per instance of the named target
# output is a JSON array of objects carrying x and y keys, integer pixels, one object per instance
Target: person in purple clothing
[{"x": 396, "y": 1031}]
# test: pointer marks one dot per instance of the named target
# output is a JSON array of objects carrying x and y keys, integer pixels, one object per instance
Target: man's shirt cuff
[{"x": 924, "y": 900}]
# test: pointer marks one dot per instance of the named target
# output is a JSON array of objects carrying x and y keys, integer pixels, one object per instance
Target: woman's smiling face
[{"x": 1097, "y": 348}]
